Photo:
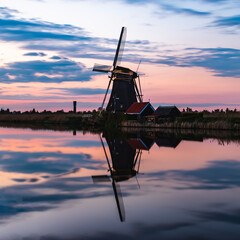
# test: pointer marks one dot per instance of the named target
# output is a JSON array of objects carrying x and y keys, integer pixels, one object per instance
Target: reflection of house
[
  {"x": 168, "y": 142},
  {"x": 140, "y": 143},
  {"x": 140, "y": 109}
]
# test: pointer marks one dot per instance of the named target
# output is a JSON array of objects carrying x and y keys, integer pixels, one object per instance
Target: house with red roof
[{"x": 140, "y": 109}]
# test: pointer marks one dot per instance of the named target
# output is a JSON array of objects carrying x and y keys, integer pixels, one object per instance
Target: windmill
[{"x": 126, "y": 89}]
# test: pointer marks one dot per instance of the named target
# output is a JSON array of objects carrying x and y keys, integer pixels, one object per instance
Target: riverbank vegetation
[
  {"x": 80, "y": 120},
  {"x": 226, "y": 120}
]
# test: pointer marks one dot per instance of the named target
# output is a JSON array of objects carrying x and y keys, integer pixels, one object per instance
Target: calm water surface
[{"x": 56, "y": 185}]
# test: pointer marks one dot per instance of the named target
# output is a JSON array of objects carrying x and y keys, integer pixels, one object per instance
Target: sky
[{"x": 189, "y": 51}]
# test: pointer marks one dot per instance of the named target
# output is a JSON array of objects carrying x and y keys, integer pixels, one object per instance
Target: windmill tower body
[{"x": 124, "y": 90}]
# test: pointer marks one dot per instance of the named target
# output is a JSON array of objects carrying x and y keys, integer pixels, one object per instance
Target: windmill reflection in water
[{"x": 123, "y": 164}]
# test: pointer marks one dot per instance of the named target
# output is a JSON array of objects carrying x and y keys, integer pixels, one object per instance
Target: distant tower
[{"x": 74, "y": 106}]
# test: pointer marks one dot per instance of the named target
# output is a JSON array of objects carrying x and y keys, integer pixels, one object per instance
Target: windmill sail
[
  {"x": 120, "y": 48},
  {"x": 119, "y": 200},
  {"x": 101, "y": 68}
]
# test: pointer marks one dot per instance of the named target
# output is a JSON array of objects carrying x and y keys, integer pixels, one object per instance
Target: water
[{"x": 56, "y": 185}]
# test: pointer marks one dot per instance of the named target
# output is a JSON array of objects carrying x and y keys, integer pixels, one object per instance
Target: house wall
[{"x": 147, "y": 111}]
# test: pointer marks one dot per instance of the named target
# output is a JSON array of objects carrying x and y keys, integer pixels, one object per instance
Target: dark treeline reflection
[{"x": 222, "y": 136}]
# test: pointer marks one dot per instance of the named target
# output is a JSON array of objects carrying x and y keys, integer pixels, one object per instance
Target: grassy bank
[
  {"x": 43, "y": 118},
  {"x": 199, "y": 120},
  {"x": 87, "y": 120},
  {"x": 105, "y": 120},
  {"x": 216, "y": 125}
]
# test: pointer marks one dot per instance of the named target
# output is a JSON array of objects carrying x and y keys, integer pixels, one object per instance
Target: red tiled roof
[{"x": 137, "y": 107}]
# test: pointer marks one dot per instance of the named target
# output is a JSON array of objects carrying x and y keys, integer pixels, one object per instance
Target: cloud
[
  {"x": 41, "y": 35},
  {"x": 35, "y": 34},
  {"x": 176, "y": 1},
  {"x": 31, "y": 97},
  {"x": 7, "y": 13},
  {"x": 80, "y": 143},
  {"x": 48, "y": 163},
  {"x": 232, "y": 217},
  {"x": 19, "y": 30},
  {"x": 223, "y": 62},
  {"x": 215, "y": 1},
  {"x": 55, "y": 57},
  {"x": 232, "y": 21},
  {"x": 208, "y": 178},
  {"x": 185, "y": 11},
  {"x": 84, "y": 91},
  {"x": 44, "y": 71},
  {"x": 7, "y": 211},
  {"x": 17, "y": 35},
  {"x": 144, "y": 230},
  {"x": 60, "y": 93},
  {"x": 30, "y": 197},
  {"x": 40, "y": 54},
  {"x": 66, "y": 40},
  {"x": 170, "y": 8}
]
